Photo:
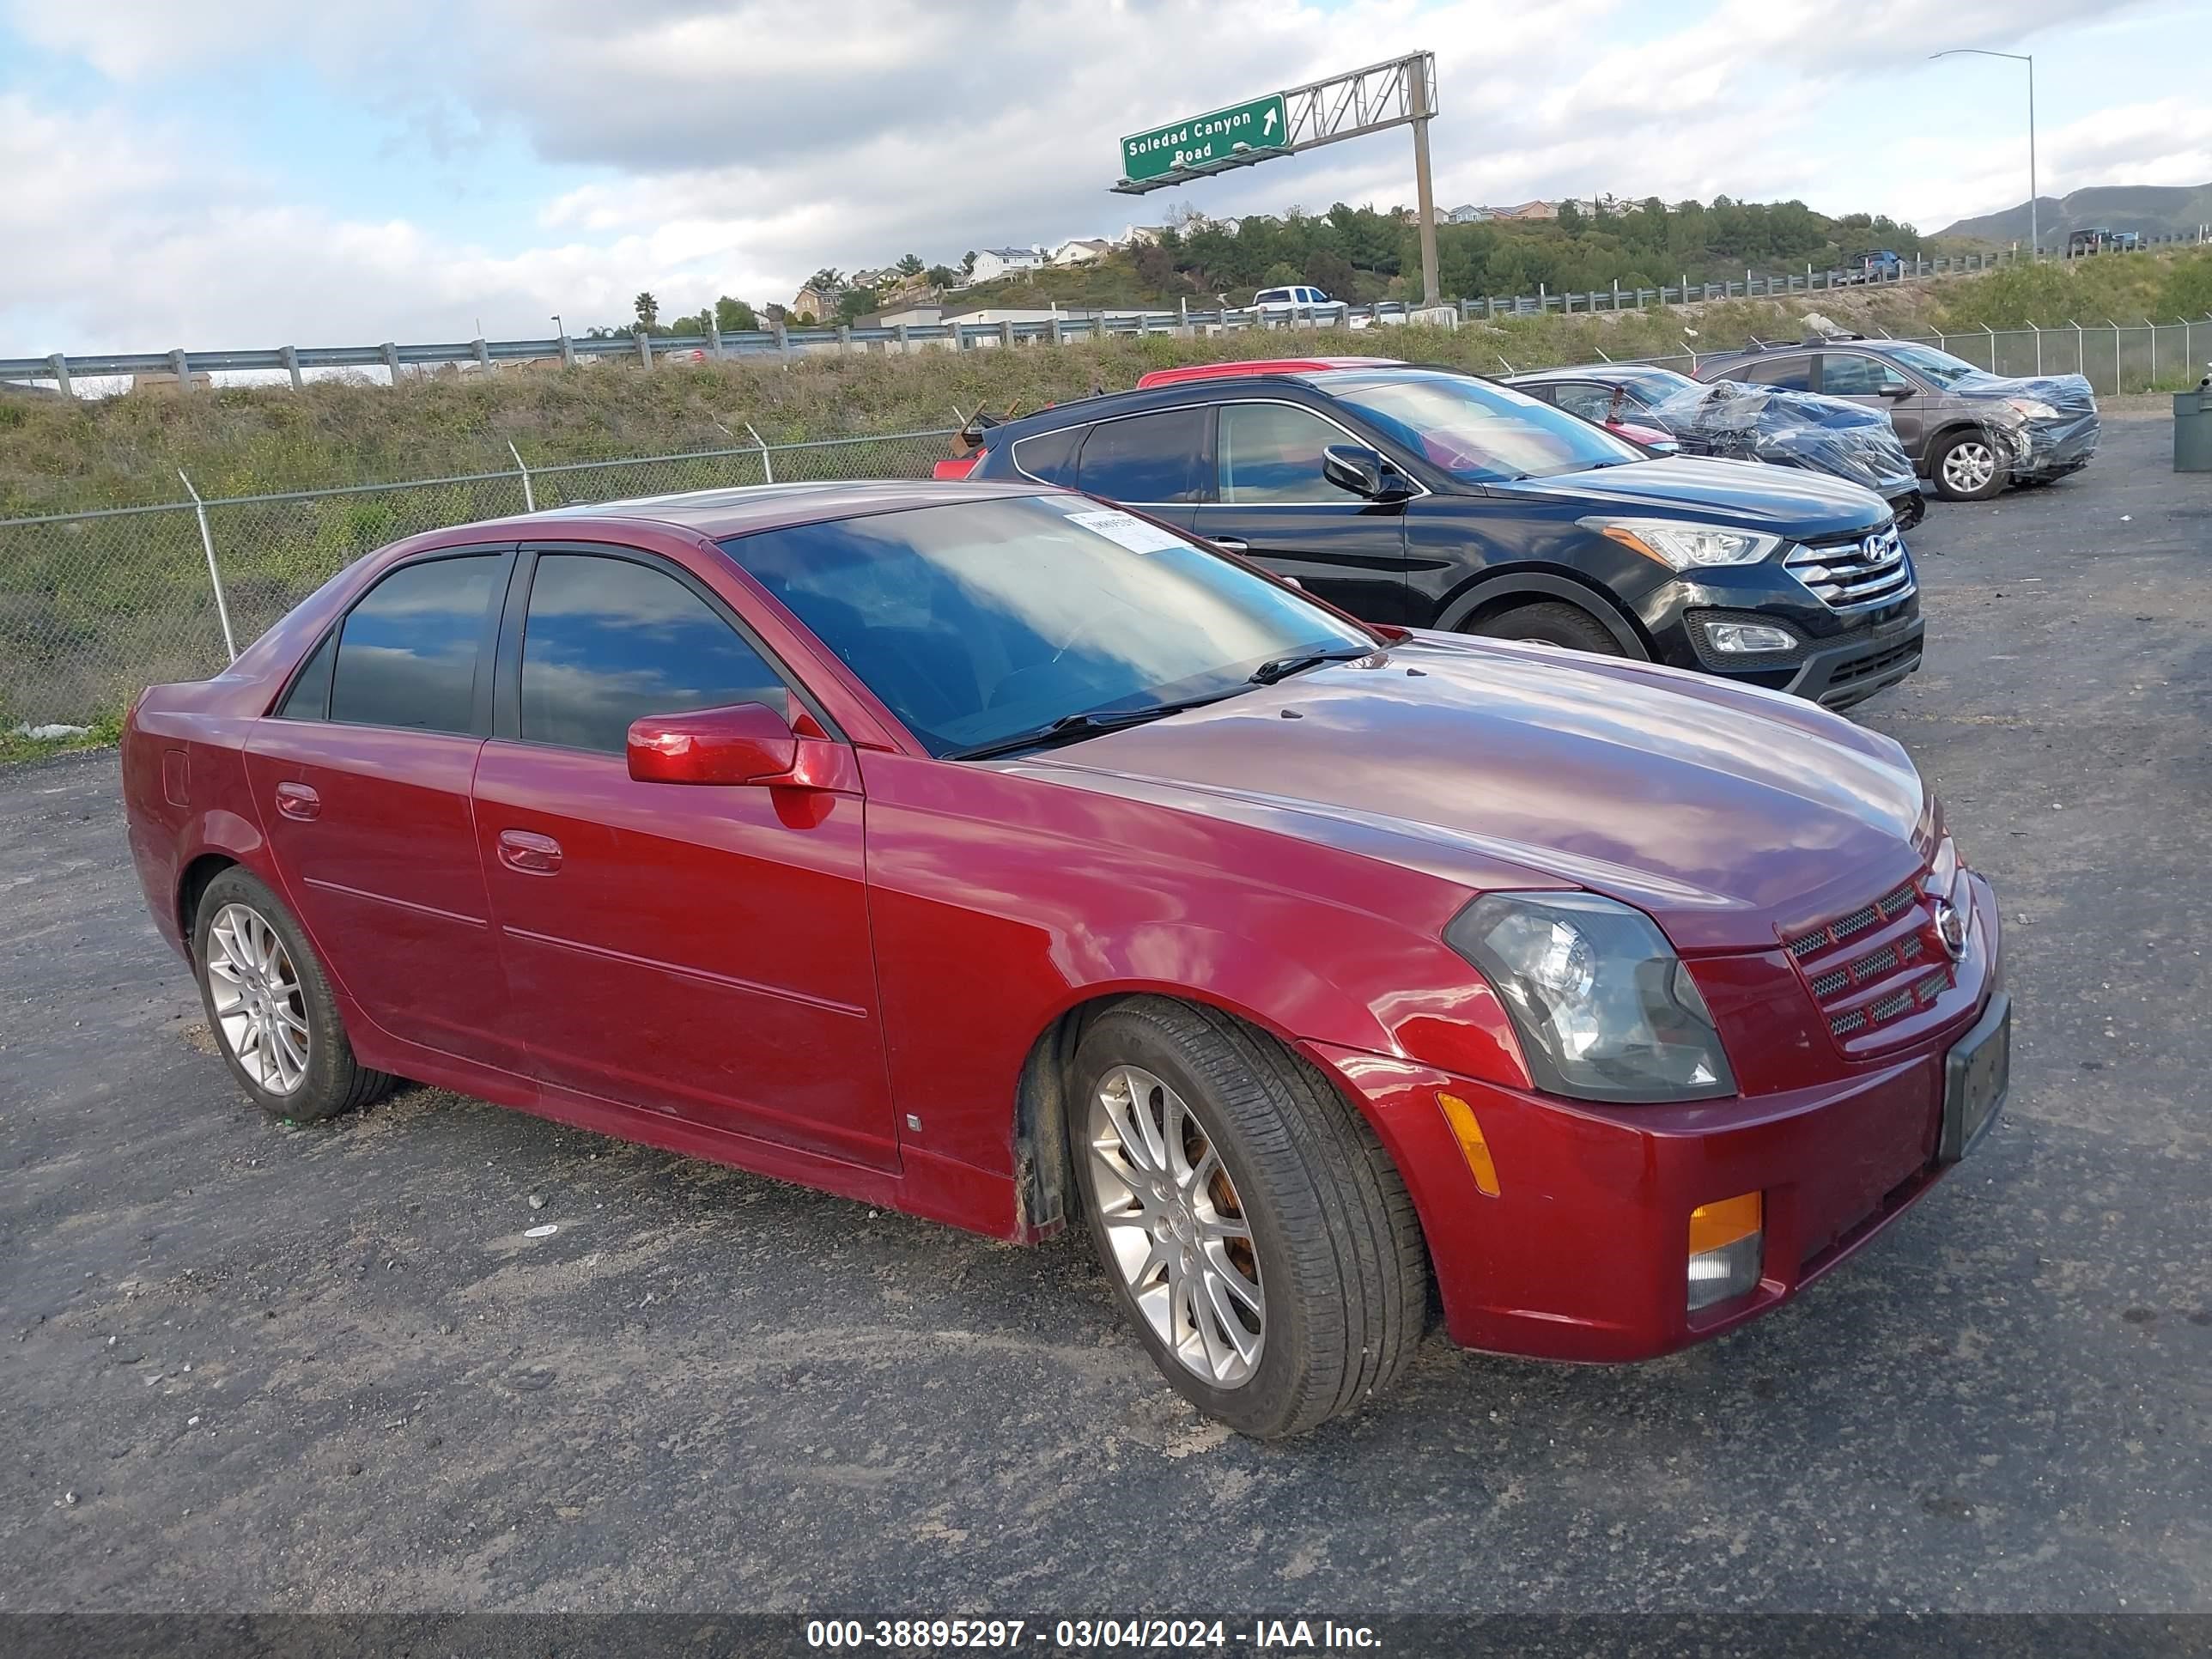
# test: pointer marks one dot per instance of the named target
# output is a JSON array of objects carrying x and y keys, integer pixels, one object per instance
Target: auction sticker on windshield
[{"x": 1133, "y": 533}]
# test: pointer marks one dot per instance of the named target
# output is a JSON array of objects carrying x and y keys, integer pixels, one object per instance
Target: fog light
[
  {"x": 1726, "y": 1249},
  {"x": 1742, "y": 639}
]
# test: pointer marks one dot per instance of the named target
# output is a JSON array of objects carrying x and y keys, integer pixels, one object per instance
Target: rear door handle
[
  {"x": 299, "y": 800},
  {"x": 532, "y": 854},
  {"x": 1230, "y": 544}
]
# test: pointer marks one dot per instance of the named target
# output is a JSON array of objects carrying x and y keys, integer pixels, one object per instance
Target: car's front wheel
[
  {"x": 1252, "y": 1226},
  {"x": 1550, "y": 621},
  {"x": 269, "y": 1006},
  {"x": 1967, "y": 468}
]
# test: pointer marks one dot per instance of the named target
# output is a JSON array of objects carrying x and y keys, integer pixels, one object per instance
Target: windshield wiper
[
  {"x": 1070, "y": 727},
  {"x": 1283, "y": 667}
]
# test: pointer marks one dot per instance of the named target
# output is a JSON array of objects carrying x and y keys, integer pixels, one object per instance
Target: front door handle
[
  {"x": 299, "y": 800},
  {"x": 532, "y": 854},
  {"x": 1230, "y": 544}
]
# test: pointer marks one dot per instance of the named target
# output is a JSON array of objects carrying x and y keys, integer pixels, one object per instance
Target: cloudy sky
[{"x": 249, "y": 173}]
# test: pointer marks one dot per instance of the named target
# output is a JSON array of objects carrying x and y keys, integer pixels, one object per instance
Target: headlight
[
  {"x": 1604, "y": 1009},
  {"x": 1680, "y": 546},
  {"x": 2034, "y": 408}
]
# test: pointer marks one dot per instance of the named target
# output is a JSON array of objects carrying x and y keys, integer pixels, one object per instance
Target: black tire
[
  {"x": 1341, "y": 1263},
  {"x": 1550, "y": 621},
  {"x": 1940, "y": 469},
  {"x": 332, "y": 1081}
]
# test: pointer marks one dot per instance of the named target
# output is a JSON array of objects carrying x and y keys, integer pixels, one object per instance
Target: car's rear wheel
[
  {"x": 1253, "y": 1227},
  {"x": 1966, "y": 468},
  {"x": 1550, "y": 621},
  {"x": 269, "y": 1006}
]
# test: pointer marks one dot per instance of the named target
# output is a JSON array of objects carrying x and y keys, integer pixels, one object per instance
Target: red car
[{"x": 996, "y": 855}]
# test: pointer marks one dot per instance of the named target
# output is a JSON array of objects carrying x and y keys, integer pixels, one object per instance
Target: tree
[
  {"x": 648, "y": 310},
  {"x": 943, "y": 276},
  {"x": 1155, "y": 267},
  {"x": 855, "y": 303},
  {"x": 910, "y": 266},
  {"x": 734, "y": 316},
  {"x": 828, "y": 280},
  {"x": 1332, "y": 273},
  {"x": 968, "y": 263}
]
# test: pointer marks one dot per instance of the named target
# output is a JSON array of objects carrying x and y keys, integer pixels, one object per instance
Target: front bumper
[
  {"x": 1842, "y": 657},
  {"x": 1582, "y": 1254},
  {"x": 2053, "y": 449}
]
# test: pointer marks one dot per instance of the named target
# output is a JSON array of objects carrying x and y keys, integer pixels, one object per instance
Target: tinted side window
[
  {"x": 1790, "y": 374},
  {"x": 1850, "y": 375},
  {"x": 1146, "y": 457},
  {"x": 408, "y": 655},
  {"x": 309, "y": 699},
  {"x": 1050, "y": 455},
  {"x": 609, "y": 640},
  {"x": 1272, "y": 452}
]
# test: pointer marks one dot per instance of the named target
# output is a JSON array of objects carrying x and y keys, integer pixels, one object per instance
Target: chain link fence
[{"x": 94, "y": 606}]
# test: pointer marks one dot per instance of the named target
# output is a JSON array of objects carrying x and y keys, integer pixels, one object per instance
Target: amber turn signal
[{"x": 1471, "y": 1146}]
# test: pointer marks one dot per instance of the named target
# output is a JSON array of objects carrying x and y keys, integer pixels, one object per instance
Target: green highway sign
[{"x": 1257, "y": 124}]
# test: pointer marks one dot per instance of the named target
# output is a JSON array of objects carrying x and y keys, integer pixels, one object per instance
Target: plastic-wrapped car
[{"x": 1735, "y": 421}]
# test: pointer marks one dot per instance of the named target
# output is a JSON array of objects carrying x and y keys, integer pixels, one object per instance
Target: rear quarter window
[{"x": 1050, "y": 456}]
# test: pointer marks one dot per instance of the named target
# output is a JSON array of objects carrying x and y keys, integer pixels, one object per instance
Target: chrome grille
[
  {"x": 1867, "y": 968},
  {"x": 1869, "y": 570}
]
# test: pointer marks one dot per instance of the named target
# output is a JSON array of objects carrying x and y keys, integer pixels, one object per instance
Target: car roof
[
  {"x": 1591, "y": 372},
  {"x": 1258, "y": 366},
  {"x": 747, "y": 507}
]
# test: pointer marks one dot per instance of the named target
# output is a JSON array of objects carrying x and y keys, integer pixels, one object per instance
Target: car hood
[
  {"x": 1795, "y": 504},
  {"x": 2071, "y": 395},
  {"x": 1731, "y": 816}
]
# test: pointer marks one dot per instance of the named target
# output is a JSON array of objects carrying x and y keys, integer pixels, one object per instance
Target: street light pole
[{"x": 2034, "y": 237}]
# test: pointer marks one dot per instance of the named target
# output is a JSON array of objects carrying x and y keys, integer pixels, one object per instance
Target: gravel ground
[{"x": 244, "y": 1366}]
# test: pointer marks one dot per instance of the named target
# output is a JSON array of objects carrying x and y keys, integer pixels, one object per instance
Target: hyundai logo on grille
[{"x": 1882, "y": 548}]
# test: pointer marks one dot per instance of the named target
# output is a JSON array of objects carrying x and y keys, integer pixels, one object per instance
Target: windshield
[
  {"x": 1477, "y": 432},
  {"x": 1940, "y": 367},
  {"x": 977, "y": 622},
  {"x": 1651, "y": 386}
]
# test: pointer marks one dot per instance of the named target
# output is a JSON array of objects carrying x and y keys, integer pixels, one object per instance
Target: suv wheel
[
  {"x": 1551, "y": 622},
  {"x": 1255, "y": 1231},
  {"x": 1966, "y": 468}
]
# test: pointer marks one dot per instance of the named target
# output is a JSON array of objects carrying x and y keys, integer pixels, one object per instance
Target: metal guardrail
[{"x": 784, "y": 341}]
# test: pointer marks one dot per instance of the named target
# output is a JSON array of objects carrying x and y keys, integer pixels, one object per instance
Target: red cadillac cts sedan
[{"x": 996, "y": 855}]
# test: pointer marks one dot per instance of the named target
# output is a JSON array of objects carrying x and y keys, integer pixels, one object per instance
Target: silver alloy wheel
[
  {"x": 1970, "y": 466},
  {"x": 259, "y": 1007},
  {"x": 1176, "y": 1227}
]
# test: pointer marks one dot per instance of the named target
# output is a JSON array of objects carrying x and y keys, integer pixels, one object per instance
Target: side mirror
[
  {"x": 743, "y": 743},
  {"x": 1898, "y": 390},
  {"x": 1362, "y": 472}
]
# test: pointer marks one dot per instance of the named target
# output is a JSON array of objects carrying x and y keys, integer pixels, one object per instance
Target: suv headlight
[
  {"x": 2033, "y": 407},
  {"x": 1680, "y": 546},
  {"x": 1605, "y": 1008}
]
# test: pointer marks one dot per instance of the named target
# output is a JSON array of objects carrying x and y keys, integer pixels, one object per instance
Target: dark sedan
[{"x": 1432, "y": 499}]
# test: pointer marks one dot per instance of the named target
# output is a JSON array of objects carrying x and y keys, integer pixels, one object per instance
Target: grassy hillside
[
  {"x": 2154, "y": 209},
  {"x": 59, "y": 456}
]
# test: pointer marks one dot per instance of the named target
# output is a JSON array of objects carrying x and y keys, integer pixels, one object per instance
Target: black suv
[
  {"x": 1969, "y": 432},
  {"x": 1435, "y": 499}
]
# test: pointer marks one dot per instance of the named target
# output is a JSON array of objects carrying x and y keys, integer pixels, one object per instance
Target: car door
[
  {"x": 1862, "y": 378},
  {"x": 697, "y": 952},
  {"x": 1275, "y": 505},
  {"x": 363, "y": 780},
  {"x": 1160, "y": 462}
]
